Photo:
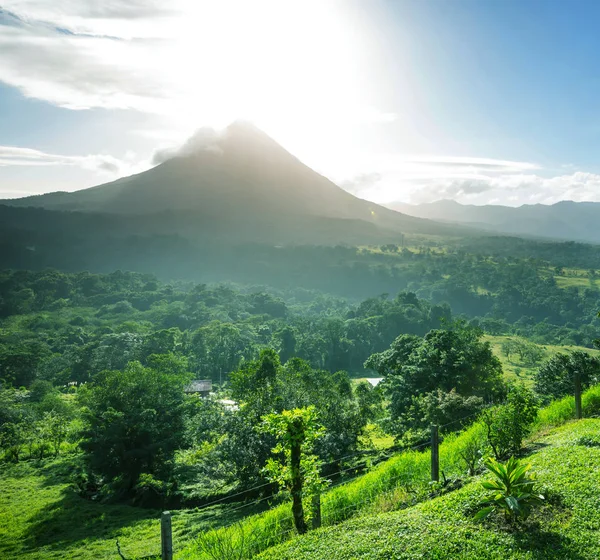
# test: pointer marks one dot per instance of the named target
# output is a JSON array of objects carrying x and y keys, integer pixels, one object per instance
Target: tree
[
  {"x": 508, "y": 348},
  {"x": 556, "y": 378},
  {"x": 440, "y": 408},
  {"x": 134, "y": 422},
  {"x": 286, "y": 341},
  {"x": 19, "y": 361},
  {"x": 296, "y": 468},
  {"x": 218, "y": 349},
  {"x": 449, "y": 360},
  {"x": 265, "y": 386}
]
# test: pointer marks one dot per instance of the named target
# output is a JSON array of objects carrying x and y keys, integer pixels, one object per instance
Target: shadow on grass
[
  {"x": 546, "y": 545},
  {"x": 72, "y": 521},
  {"x": 72, "y": 524},
  {"x": 533, "y": 447}
]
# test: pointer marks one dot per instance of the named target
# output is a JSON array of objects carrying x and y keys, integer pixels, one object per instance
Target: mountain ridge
[
  {"x": 564, "y": 220},
  {"x": 239, "y": 175}
]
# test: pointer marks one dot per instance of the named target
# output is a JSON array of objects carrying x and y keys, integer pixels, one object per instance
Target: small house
[{"x": 200, "y": 387}]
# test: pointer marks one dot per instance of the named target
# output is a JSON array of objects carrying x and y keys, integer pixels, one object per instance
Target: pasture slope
[{"x": 567, "y": 462}]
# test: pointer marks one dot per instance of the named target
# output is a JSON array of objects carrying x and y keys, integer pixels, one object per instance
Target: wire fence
[
  {"x": 380, "y": 456},
  {"x": 245, "y": 539},
  {"x": 271, "y": 533}
]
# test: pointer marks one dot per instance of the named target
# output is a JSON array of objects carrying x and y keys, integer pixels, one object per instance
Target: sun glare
[{"x": 289, "y": 67}]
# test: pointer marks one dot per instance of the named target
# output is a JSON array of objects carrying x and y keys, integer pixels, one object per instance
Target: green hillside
[
  {"x": 567, "y": 527},
  {"x": 42, "y": 516},
  {"x": 516, "y": 368}
]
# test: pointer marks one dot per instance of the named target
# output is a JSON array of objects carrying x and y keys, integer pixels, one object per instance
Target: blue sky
[{"x": 482, "y": 101}]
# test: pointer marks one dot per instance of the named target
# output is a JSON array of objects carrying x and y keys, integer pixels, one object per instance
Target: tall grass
[
  {"x": 561, "y": 411},
  {"x": 399, "y": 481}
]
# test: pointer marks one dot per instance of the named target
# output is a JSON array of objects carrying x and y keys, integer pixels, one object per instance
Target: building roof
[
  {"x": 374, "y": 380},
  {"x": 199, "y": 386}
]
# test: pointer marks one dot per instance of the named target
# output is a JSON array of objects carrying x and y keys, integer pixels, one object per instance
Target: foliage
[
  {"x": 292, "y": 428},
  {"x": 43, "y": 518},
  {"x": 295, "y": 467},
  {"x": 508, "y": 424},
  {"x": 133, "y": 423},
  {"x": 529, "y": 354},
  {"x": 443, "y": 528},
  {"x": 511, "y": 490},
  {"x": 418, "y": 371},
  {"x": 265, "y": 386},
  {"x": 449, "y": 410},
  {"x": 556, "y": 378}
]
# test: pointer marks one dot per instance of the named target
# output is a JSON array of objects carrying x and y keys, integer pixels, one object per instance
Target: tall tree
[
  {"x": 134, "y": 422},
  {"x": 294, "y": 466},
  {"x": 448, "y": 360}
]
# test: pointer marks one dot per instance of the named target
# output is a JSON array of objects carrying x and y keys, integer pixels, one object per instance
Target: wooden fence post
[
  {"x": 435, "y": 454},
  {"x": 316, "y": 511},
  {"x": 166, "y": 536},
  {"x": 578, "y": 414}
]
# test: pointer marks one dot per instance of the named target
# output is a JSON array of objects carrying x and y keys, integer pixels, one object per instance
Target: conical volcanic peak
[{"x": 237, "y": 175}]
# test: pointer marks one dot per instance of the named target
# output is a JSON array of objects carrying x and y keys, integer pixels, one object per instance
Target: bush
[
  {"x": 561, "y": 411},
  {"x": 590, "y": 401},
  {"x": 508, "y": 424}
]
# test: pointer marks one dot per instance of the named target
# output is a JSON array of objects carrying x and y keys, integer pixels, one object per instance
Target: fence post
[
  {"x": 316, "y": 511},
  {"x": 577, "y": 396},
  {"x": 166, "y": 536},
  {"x": 435, "y": 454}
]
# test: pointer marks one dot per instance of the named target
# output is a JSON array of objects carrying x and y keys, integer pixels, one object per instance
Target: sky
[{"x": 480, "y": 101}]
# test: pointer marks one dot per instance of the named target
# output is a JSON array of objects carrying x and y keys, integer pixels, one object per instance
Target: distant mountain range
[
  {"x": 241, "y": 186},
  {"x": 578, "y": 221}
]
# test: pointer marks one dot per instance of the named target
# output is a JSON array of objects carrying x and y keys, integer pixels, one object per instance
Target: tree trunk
[{"x": 297, "y": 508}]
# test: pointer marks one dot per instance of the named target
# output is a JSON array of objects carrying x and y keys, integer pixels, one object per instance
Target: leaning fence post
[
  {"x": 166, "y": 536},
  {"x": 577, "y": 396},
  {"x": 435, "y": 454}
]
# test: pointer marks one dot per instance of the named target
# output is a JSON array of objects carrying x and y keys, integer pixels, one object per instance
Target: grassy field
[
  {"x": 567, "y": 527},
  {"x": 398, "y": 483},
  {"x": 42, "y": 518},
  {"x": 577, "y": 282},
  {"x": 515, "y": 369}
]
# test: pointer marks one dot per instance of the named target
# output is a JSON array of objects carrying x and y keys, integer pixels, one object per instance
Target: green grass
[
  {"x": 581, "y": 282},
  {"x": 568, "y": 527},
  {"x": 398, "y": 483},
  {"x": 518, "y": 371},
  {"x": 376, "y": 438},
  {"x": 42, "y": 518}
]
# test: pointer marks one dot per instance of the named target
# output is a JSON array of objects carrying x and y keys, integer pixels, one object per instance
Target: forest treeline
[
  {"x": 100, "y": 363},
  {"x": 68, "y": 325}
]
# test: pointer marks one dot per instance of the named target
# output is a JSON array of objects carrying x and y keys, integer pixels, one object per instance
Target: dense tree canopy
[
  {"x": 134, "y": 422},
  {"x": 115, "y": 350},
  {"x": 454, "y": 360}
]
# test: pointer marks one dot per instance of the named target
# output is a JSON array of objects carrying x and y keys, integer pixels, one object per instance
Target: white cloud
[
  {"x": 124, "y": 19},
  {"x": 79, "y": 72},
  {"x": 189, "y": 59},
  {"x": 512, "y": 190},
  {"x": 389, "y": 178},
  {"x": 205, "y": 138},
  {"x": 12, "y": 156}
]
